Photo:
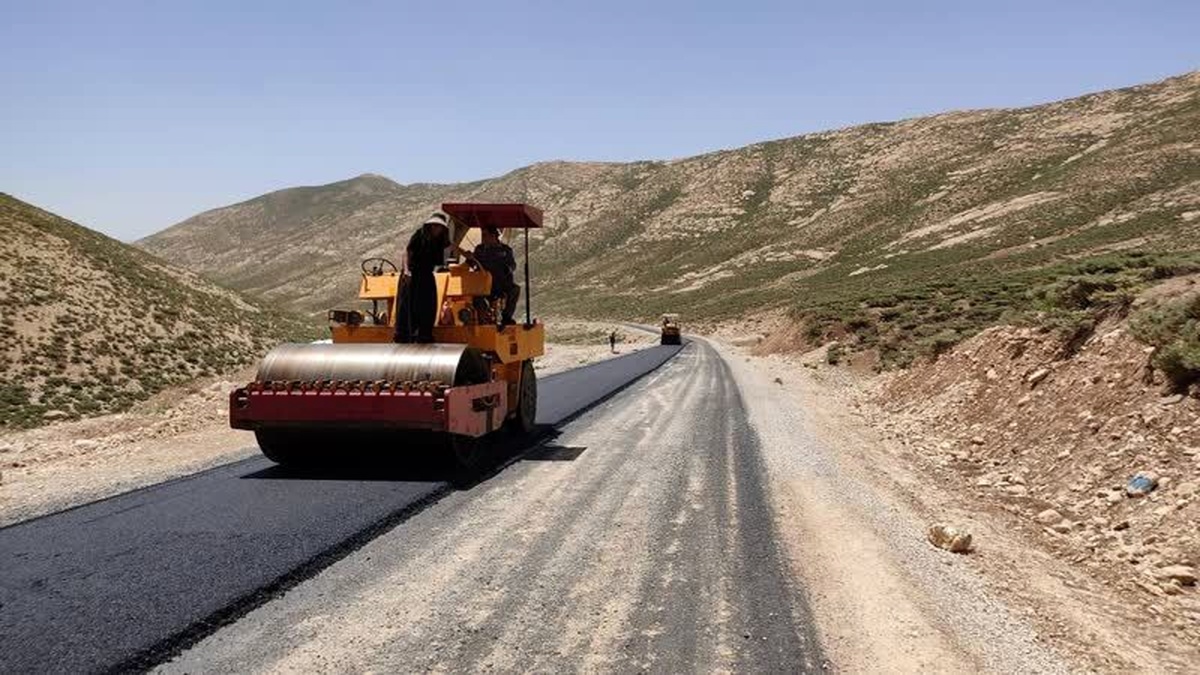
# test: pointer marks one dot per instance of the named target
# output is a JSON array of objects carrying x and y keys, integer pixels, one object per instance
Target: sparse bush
[
  {"x": 834, "y": 354},
  {"x": 929, "y": 312},
  {"x": 1174, "y": 331},
  {"x": 942, "y": 342}
]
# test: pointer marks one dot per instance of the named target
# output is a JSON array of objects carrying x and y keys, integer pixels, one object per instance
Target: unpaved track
[{"x": 640, "y": 538}]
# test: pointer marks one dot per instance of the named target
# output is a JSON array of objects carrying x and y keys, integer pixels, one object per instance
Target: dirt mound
[{"x": 1088, "y": 451}]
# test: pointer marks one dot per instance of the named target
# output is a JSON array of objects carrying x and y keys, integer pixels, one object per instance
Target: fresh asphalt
[{"x": 125, "y": 582}]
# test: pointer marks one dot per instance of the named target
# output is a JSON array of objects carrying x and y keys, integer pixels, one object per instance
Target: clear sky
[{"x": 130, "y": 116}]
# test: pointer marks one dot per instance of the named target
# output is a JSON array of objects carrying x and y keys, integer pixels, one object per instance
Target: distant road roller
[
  {"x": 309, "y": 403},
  {"x": 671, "y": 334}
]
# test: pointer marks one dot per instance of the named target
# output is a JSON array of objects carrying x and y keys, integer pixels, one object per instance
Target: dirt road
[{"x": 641, "y": 538}]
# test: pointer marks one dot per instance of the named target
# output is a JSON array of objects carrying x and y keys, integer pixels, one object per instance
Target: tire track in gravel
[{"x": 653, "y": 549}]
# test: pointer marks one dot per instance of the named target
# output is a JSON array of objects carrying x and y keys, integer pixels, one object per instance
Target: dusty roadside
[
  {"x": 181, "y": 431},
  {"x": 858, "y": 481},
  {"x": 884, "y": 600}
]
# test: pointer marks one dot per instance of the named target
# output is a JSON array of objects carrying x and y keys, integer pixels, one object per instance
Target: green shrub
[
  {"x": 1174, "y": 331},
  {"x": 942, "y": 342},
  {"x": 834, "y": 353}
]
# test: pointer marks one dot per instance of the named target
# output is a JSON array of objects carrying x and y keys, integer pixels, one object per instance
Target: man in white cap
[{"x": 425, "y": 253}]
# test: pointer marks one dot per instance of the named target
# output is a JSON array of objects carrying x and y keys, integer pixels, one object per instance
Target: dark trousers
[
  {"x": 511, "y": 295},
  {"x": 418, "y": 308}
]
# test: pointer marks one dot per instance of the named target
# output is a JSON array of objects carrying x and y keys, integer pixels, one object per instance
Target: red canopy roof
[{"x": 500, "y": 216}]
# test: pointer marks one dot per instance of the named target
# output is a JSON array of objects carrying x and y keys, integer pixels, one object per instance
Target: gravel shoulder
[
  {"x": 856, "y": 497},
  {"x": 884, "y": 600}
]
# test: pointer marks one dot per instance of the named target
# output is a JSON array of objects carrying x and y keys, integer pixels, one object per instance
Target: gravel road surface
[
  {"x": 640, "y": 538},
  {"x": 123, "y": 582}
]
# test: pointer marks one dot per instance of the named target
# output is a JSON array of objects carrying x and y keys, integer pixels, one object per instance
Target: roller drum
[{"x": 451, "y": 364}]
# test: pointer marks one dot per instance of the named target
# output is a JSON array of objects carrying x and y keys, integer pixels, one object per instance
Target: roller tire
[
  {"x": 469, "y": 458},
  {"x": 525, "y": 418},
  {"x": 286, "y": 449}
]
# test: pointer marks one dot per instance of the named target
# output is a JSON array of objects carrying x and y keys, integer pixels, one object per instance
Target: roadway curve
[{"x": 637, "y": 536}]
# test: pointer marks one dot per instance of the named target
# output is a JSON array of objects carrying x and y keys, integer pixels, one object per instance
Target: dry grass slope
[
  {"x": 89, "y": 325},
  {"x": 919, "y": 232}
]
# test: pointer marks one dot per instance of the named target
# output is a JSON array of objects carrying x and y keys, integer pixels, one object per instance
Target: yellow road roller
[{"x": 311, "y": 402}]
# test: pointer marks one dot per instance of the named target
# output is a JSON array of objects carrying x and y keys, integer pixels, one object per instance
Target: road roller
[
  {"x": 361, "y": 391},
  {"x": 671, "y": 334}
]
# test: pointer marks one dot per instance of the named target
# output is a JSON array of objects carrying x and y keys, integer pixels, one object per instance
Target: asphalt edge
[
  {"x": 548, "y": 432},
  {"x": 175, "y": 644},
  {"x": 133, "y": 491},
  {"x": 603, "y": 399}
]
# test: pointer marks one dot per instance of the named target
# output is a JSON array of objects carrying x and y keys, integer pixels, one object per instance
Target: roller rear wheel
[
  {"x": 470, "y": 457},
  {"x": 526, "y": 417}
]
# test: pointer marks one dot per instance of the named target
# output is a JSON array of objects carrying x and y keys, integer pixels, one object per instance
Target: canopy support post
[{"x": 528, "y": 288}]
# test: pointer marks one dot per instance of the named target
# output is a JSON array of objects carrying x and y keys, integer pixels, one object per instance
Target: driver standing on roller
[{"x": 426, "y": 252}]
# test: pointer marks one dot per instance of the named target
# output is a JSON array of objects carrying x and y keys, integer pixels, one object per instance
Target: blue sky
[{"x": 130, "y": 116}]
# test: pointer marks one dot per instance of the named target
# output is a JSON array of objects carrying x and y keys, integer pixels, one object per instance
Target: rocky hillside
[
  {"x": 949, "y": 212},
  {"x": 90, "y": 325}
]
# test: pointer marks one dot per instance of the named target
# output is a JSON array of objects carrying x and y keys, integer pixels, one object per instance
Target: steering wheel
[{"x": 376, "y": 269}]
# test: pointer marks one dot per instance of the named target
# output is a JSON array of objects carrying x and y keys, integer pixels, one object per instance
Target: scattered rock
[
  {"x": 977, "y": 440},
  {"x": 992, "y": 374},
  {"x": 950, "y": 538},
  {"x": 1049, "y": 517},
  {"x": 1141, "y": 484},
  {"x": 1185, "y": 488},
  {"x": 1037, "y": 376},
  {"x": 1149, "y": 588},
  {"x": 1183, "y": 574},
  {"x": 1063, "y": 527},
  {"x": 1171, "y": 400},
  {"x": 1120, "y": 525},
  {"x": 55, "y": 414},
  {"x": 779, "y": 380},
  {"x": 86, "y": 444}
]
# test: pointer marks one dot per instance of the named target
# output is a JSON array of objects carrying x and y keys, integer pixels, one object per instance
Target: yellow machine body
[
  {"x": 476, "y": 376},
  {"x": 458, "y": 287}
]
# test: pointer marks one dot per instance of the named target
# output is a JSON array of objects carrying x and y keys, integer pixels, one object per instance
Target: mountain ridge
[
  {"x": 776, "y": 225},
  {"x": 90, "y": 325}
]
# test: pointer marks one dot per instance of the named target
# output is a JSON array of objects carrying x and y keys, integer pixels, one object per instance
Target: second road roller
[{"x": 363, "y": 392}]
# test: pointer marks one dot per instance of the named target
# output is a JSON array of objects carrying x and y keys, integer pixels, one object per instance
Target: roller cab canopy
[{"x": 500, "y": 216}]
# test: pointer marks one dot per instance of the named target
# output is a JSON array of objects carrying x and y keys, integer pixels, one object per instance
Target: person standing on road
[
  {"x": 425, "y": 253},
  {"x": 612, "y": 341}
]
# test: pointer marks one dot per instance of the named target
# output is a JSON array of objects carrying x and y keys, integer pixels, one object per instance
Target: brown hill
[
  {"x": 963, "y": 207},
  {"x": 90, "y": 325}
]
